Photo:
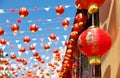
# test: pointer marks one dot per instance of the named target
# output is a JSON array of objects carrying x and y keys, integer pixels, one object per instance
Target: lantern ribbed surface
[{"x": 94, "y": 42}]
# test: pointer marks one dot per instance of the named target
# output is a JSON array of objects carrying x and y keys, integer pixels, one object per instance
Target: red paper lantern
[
  {"x": 33, "y": 28},
  {"x": 15, "y": 28},
  {"x": 12, "y": 56},
  {"x": 94, "y": 42},
  {"x": 65, "y": 23},
  {"x": 53, "y": 36},
  {"x": 74, "y": 35},
  {"x": 32, "y": 47},
  {"x": 77, "y": 27},
  {"x": 1, "y": 31},
  {"x": 23, "y": 12},
  {"x": 3, "y": 41},
  {"x": 80, "y": 18},
  {"x": 26, "y": 39},
  {"x": 46, "y": 47},
  {"x": 22, "y": 49},
  {"x": 35, "y": 54},
  {"x": 59, "y": 10},
  {"x": 55, "y": 50},
  {"x": 24, "y": 62},
  {"x": 91, "y": 5}
]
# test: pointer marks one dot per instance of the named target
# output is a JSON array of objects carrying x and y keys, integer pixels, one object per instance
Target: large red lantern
[
  {"x": 65, "y": 23},
  {"x": 26, "y": 39},
  {"x": 1, "y": 31},
  {"x": 91, "y": 5},
  {"x": 59, "y": 10},
  {"x": 15, "y": 28},
  {"x": 23, "y": 12},
  {"x": 33, "y": 28},
  {"x": 94, "y": 42},
  {"x": 53, "y": 36}
]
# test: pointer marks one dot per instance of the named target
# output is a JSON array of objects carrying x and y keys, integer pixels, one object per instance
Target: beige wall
[{"x": 110, "y": 21}]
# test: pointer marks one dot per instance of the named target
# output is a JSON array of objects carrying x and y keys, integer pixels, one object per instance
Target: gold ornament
[
  {"x": 94, "y": 60},
  {"x": 93, "y": 7}
]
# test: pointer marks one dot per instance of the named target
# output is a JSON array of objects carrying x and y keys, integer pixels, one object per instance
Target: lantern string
[
  {"x": 93, "y": 20},
  {"x": 46, "y": 8}
]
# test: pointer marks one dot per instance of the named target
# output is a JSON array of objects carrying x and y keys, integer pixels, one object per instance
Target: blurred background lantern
[
  {"x": 91, "y": 5},
  {"x": 46, "y": 47},
  {"x": 23, "y": 12},
  {"x": 59, "y": 10},
  {"x": 26, "y": 39},
  {"x": 65, "y": 24},
  {"x": 52, "y": 36},
  {"x": 22, "y": 49},
  {"x": 94, "y": 42},
  {"x": 33, "y": 28},
  {"x": 1, "y": 31},
  {"x": 12, "y": 56},
  {"x": 15, "y": 28},
  {"x": 3, "y": 41},
  {"x": 32, "y": 47}
]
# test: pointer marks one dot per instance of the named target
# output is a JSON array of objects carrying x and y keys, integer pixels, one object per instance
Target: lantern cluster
[
  {"x": 57, "y": 54},
  {"x": 21, "y": 60},
  {"x": 91, "y": 5},
  {"x": 38, "y": 57}
]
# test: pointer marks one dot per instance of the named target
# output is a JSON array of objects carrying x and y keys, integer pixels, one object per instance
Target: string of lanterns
[{"x": 94, "y": 42}]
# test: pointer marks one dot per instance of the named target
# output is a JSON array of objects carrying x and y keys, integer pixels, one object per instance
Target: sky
[{"x": 46, "y": 19}]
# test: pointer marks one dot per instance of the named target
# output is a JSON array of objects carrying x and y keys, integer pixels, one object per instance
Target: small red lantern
[
  {"x": 53, "y": 36},
  {"x": 24, "y": 62},
  {"x": 46, "y": 47},
  {"x": 59, "y": 10},
  {"x": 22, "y": 49},
  {"x": 74, "y": 35},
  {"x": 12, "y": 56},
  {"x": 15, "y": 28},
  {"x": 18, "y": 59},
  {"x": 3, "y": 41},
  {"x": 91, "y": 5},
  {"x": 80, "y": 18},
  {"x": 94, "y": 42},
  {"x": 32, "y": 47},
  {"x": 35, "y": 54},
  {"x": 65, "y": 23},
  {"x": 77, "y": 27},
  {"x": 26, "y": 39},
  {"x": 23, "y": 12},
  {"x": 55, "y": 50},
  {"x": 33, "y": 28},
  {"x": 1, "y": 31}
]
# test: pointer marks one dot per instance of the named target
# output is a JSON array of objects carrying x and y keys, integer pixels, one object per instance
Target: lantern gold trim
[
  {"x": 94, "y": 60},
  {"x": 93, "y": 7}
]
